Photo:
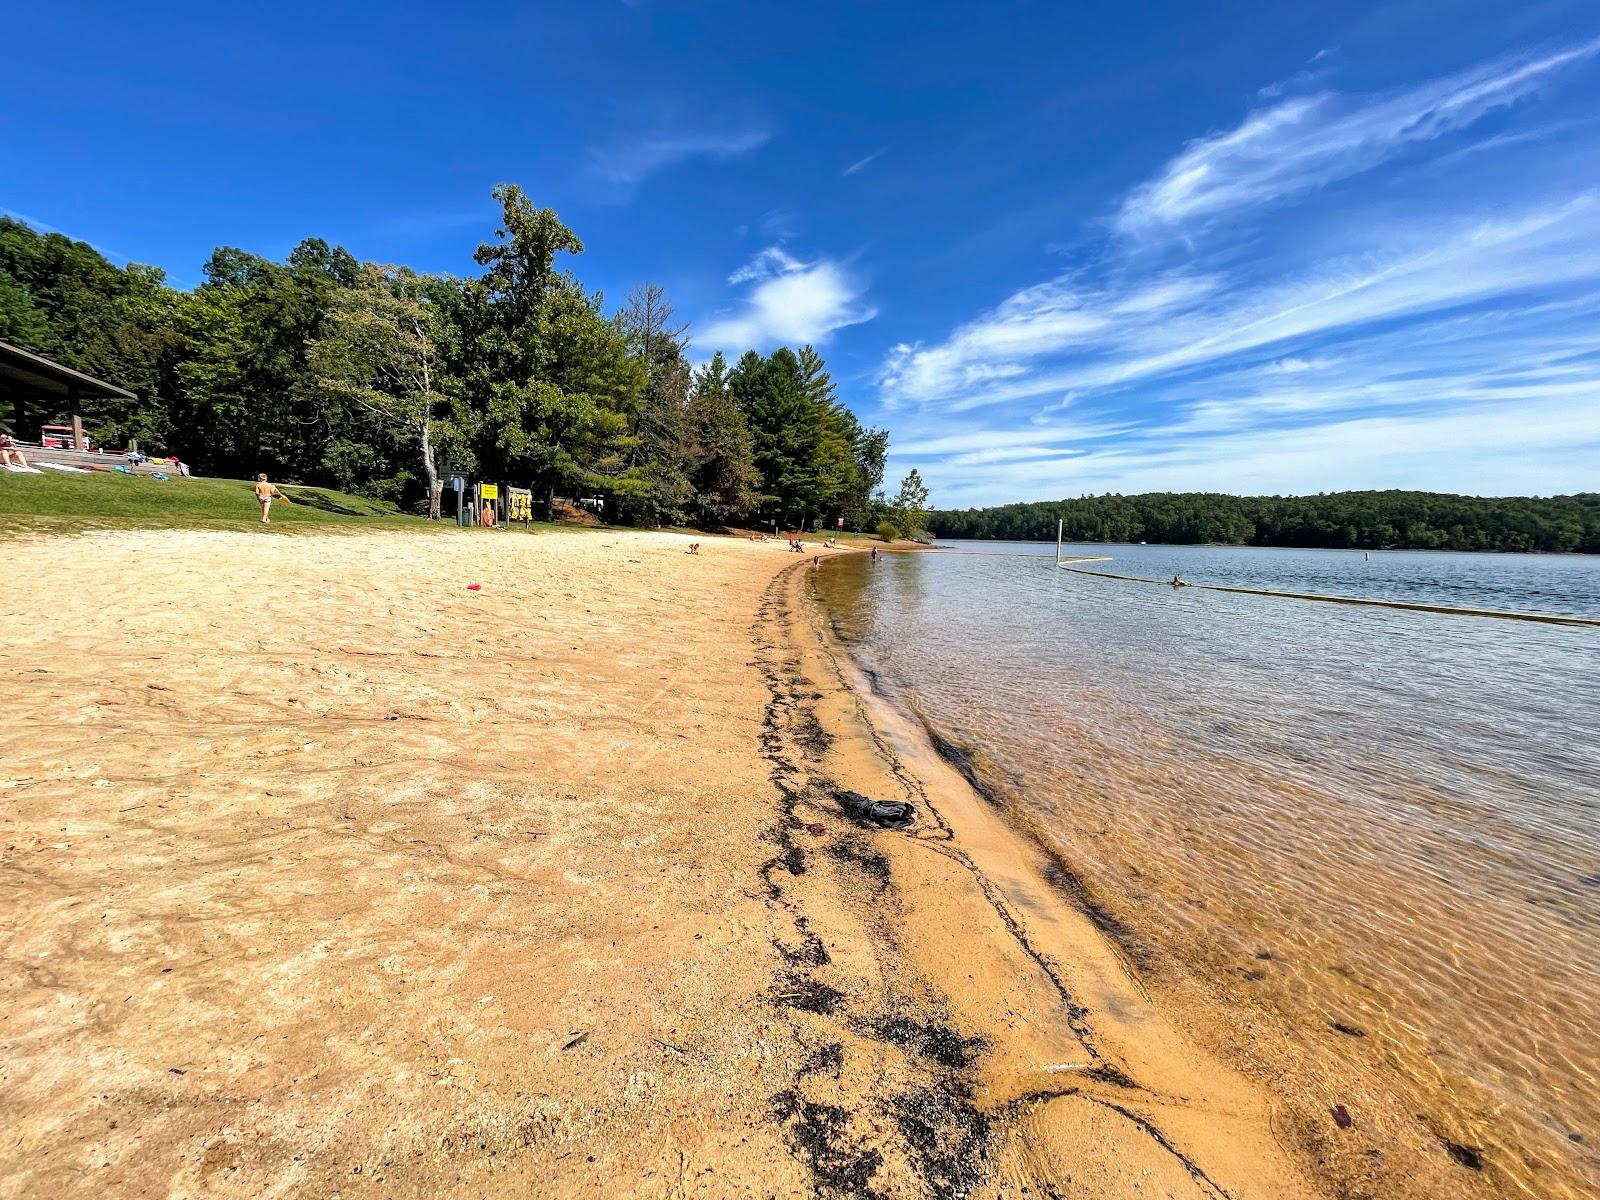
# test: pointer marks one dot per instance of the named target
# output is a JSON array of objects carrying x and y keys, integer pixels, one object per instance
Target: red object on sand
[{"x": 474, "y": 587}]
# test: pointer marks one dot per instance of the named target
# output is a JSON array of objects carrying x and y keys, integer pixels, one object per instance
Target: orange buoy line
[{"x": 1413, "y": 606}]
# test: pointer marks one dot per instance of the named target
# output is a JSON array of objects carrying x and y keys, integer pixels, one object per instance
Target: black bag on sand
[{"x": 886, "y": 814}]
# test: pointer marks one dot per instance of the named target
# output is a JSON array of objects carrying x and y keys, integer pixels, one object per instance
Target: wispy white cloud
[
  {"x": 1042, "y": 321},
  {"x": 774, "y": 260},
  {"x": 44, "y": 227},
  {"x": 861, "y": 164},
  {"x": 630, "y": 160},
  {"x": 788, "y": 301},
  {"x": 1065, "y": 335},
  {"x": 1528, "y": 447},
  {"x": 1499, "y": 400},
  {"x": 1291, "y": 365},
  {"x": 1306, "y": 142},
  {"x": 1409, "y": 335},
  {"x": 971, "y": 438}
]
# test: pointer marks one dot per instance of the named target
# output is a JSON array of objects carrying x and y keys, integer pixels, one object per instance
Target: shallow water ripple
[{"x": 1384, "y": 821}]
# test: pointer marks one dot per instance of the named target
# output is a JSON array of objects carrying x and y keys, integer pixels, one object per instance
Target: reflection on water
[{"x": 1378, "y": 820}]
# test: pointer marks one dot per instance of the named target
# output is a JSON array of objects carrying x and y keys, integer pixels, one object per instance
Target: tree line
[
  {"x": 1377, "y": 520},
  {"x": 377, "y": 379}
]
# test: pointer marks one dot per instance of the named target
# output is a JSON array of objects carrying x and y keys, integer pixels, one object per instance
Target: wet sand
[{"x": 320, "y": 874}]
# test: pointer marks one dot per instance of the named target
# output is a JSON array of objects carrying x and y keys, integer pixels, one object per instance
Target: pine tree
[{"x": 726, "y": 480}]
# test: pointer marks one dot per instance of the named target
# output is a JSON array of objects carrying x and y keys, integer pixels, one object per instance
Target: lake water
[{"x": 1318, "y": 816}]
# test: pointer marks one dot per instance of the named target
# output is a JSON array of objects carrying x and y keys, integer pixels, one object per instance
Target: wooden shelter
[{"x": 33, "y": 389}]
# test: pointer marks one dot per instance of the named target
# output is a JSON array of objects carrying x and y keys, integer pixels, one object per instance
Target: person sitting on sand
[
  {"x": 694, "y": 547},
  {"x": 10, "y": 456},
  {"x": 265, "y": 495}
]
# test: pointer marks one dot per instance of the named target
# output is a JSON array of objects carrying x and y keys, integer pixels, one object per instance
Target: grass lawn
[
  {"x": 59, "y": 501},
  {"x": 66, "y": 501}
]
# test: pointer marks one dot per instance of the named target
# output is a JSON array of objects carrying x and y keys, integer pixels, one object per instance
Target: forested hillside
[
  {"x": 375, "y": 379},
  {"x": 1391, "y": 520}
]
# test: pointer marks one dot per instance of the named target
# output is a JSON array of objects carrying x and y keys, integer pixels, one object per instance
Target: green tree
[
  {"x": 379, "y": 353},
  {"x": 722, "y": 454},
  {"x": 570, "y": 425},
  {"x": 21, "y": 323},
  {"x": 908, "y": 511},
  {"x": 252, "y": 400},
  {"x": 314, "y": 369},
  {"x": 664, "y": 451}
]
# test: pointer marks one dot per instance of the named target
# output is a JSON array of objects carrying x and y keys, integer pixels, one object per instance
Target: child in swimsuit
[{"x": 266, "y": 494}]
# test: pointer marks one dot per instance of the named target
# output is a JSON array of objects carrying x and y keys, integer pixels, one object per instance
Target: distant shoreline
[{"x": 1272, "y": 546}]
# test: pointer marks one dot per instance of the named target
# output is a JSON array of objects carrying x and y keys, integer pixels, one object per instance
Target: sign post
[{"x": 458, "y": 485}]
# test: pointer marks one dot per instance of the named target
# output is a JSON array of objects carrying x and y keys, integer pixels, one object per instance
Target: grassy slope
[
  {"x": 61, "y": 500},
  {"x": 55, "y": 500}
]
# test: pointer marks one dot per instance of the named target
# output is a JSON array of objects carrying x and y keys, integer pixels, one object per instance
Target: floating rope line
[{"x": 1543, "y": 618}]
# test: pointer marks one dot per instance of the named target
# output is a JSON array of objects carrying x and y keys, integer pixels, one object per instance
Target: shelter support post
[{"x": 78, "y": 442}]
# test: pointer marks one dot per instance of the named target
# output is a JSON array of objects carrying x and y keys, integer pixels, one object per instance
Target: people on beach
[
  {"x": 10, "y": 456},
  {"x": 694, "y": 547},
  {"x": 874, "y": 554},
  {"x": 265, "y": 495},
  {"x": 486, "y": 515},
  {"x": 1177, "y": 581}
]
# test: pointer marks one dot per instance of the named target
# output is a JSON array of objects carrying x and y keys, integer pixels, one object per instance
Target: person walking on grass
[{"x": 266, "y": 494}]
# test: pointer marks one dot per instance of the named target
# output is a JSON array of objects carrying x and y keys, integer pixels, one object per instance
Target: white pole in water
[{"x": 1058, "y": 544}]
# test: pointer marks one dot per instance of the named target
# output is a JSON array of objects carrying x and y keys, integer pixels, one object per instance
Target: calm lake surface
[{"x": 1317, "y": 815}]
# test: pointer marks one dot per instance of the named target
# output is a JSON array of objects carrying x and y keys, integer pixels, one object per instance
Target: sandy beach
[{"x": 324, "y": 875}]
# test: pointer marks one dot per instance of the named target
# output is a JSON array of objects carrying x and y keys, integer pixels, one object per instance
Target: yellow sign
[{"x": 489, "y": 491}]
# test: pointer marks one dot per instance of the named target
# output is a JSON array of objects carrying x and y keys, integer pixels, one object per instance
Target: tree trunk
[{"x": 429, "y": 470}]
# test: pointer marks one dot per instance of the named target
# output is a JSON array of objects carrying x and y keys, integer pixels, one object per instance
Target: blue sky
[{"x": 1056, "y": 248}]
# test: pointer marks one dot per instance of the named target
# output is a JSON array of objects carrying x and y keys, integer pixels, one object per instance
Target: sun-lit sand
[{"x": 323, "y": 874}]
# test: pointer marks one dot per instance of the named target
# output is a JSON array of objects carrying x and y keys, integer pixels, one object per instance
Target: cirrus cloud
[{"x": 1309, "y": 141}]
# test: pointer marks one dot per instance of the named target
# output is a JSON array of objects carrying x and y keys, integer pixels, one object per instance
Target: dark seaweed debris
[
  {"x": 865, "y": 859},
  {"x": 796, "y": 991},
  {"x": 962, "y": 761},
  {"x": 1106, "y": 1073},
  {"x": 1468, "y": 1156},
  {"x": 936, "y": 1042},
  {"x": 949, "y": 1136},
  {"x": 1114, "y": 927},
  {"x": 809, "y": 953},
  {"x": 820, "y": 1136}
]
